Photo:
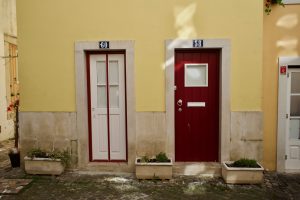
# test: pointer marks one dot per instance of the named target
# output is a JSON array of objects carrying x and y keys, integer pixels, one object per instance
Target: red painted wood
[
  {"x": 197, "y": 128},
  {"x": 107, "y": 106},
  {"x": 87, "y": 57},
  {"x": 125, "y": 107}
]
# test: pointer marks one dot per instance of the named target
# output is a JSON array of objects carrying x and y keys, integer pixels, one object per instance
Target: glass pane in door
[
  {"x": 295, "y": 106},
  {"x": 295, "y": 129},
  {"x": 101, "y": 96},
  {"x": 114, "y": 96},
  {"x": 295, "y": 84},
  {"x": 101, "y": 84},
  {"x": 101, "y": 72},
  {"x": 295, "y": 94},
  {"x": 113, "y": 72},
  {"x": 113, "y": 83},
  {"x": 196, "y": 75}
]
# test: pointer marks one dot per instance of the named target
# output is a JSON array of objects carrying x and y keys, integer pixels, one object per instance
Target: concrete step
[{"x": 197, "y": 168}]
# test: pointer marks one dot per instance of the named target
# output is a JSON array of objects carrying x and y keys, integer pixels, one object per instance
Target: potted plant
[
  {"x": 14, "y": 153},
  {"x": 243, "y": 171},
  {"x": 158, "y": 167},
  {"x": 39, "y": 161}
]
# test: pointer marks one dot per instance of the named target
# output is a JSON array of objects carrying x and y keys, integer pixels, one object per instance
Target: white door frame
[
  {"x": 282, "y": 126},
  {"x": 81, "y": 135},
  {"x": 224, "y": 107}
]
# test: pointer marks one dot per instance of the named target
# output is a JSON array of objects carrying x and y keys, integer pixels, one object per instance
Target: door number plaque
[
  {"x": 104, "y": 45},
  {"x": 283, "y": 70},
  {"x": 197, "y": 43}
]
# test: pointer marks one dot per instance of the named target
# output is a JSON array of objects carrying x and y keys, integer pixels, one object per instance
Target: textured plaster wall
[
  {"x": 151, "y": 138},
  {"x": 246, "y": 135},
  {"x": 281, "y": 38},
  {"x": 48, "y": 131},
  {"x": 7, "y": 26},
  {"x": 46, "y": 46}
]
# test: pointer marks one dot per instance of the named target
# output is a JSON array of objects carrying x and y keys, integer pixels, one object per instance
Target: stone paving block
[{"x": 13, "y": 186}]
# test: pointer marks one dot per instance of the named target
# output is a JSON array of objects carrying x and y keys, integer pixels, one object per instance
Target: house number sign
[
  {"x": 197, "y": 43},
  {"x": 283, "y": 70},
  {"x": 104, "y": 45}
]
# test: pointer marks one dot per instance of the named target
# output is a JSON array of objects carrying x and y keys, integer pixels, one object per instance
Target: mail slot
[{"x": 196, "y": 104}]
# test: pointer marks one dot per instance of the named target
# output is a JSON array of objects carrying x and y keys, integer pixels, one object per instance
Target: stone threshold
[{"x": 197, "y": 168}]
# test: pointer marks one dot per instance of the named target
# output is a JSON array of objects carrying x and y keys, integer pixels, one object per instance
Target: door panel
[
  {"x": 99, "y": 107},
  {"x": 293, "y": 132},
  {"x": 197, "y": 105},
  {"x": 117, "y": 107},
  {"x": 108, "y": 114}
]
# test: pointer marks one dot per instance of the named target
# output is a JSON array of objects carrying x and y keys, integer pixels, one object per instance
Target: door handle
[{"x": 179, "y": 102}]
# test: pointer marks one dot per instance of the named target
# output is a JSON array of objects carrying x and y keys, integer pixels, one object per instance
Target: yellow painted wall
[
  {"x": 48, "y": 30},
  {"x": 281, "y": 38}
]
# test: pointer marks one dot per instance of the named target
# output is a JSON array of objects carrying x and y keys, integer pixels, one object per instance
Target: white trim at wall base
[{"x": 224, "y": 121}]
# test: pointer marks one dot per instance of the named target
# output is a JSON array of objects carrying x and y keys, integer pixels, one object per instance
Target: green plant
[
  {"x": 162, "y": 157},
  {"x": 144, "y": 159},
  {"x": 64, "y": 156},
  {"x": 269, "y": 3},
  {"x": 244, "y": 162},
  {"x": 37, "y": 153}
]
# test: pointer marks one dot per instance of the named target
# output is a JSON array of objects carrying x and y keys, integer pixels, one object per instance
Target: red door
[{"x": 197, "y": 105}]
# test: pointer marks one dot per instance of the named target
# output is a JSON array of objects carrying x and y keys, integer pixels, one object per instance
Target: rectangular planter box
[
  {"x": 153, "y": 170},
  {"x": 237, "y": 175},
  {"x": 43, "y": 166}
]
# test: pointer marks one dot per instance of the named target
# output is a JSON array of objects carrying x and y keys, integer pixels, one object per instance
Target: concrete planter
[
  {"x": 153, "y": 170},
  {"x": 237, "y": 175},
  {"x": 43, "y": 166}
]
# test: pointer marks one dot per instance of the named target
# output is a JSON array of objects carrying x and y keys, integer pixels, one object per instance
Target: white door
[
  {"x": 293, "y": 120},
  {"x": 108, "y": 114}
]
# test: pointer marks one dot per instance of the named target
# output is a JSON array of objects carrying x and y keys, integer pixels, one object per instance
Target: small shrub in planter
[
  {"x": 244, "y": 162},
  {"x": 162, "y": 157},
  {"x": 243, "y": 171},
  {"x": 158, "y": 167},
  {"x": 159, "y": 158},
  {"x": 53, "y": 162}
]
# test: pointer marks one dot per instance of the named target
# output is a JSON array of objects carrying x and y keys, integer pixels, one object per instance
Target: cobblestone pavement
[
  {"x": 4, "y": 160},
  {"x": 76, "y": 185}
]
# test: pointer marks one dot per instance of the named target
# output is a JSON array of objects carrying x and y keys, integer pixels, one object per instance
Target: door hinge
[
  {"x": 288, "y": 75},
  {"x": 285, "y": 157},
  {"x": 287, "y": 116}
]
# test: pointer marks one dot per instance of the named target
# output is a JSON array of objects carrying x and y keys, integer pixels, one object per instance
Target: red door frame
[
  {"x": 87, "y": 58},
  {"x": 214, "y": 135}
]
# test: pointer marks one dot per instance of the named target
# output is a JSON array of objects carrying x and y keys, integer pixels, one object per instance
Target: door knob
[{"x": 179, "y": 102}]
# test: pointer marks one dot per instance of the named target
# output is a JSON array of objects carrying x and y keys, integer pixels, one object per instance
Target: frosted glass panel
[
  {"x": 114, "y": 96},
  {"x": 295, "y": 85},
  {"x": 195, "y": 75},
  {"x": 113, "y": 72},
  {"x": 101, "y": 72},
  {"x": 295, "y": 106},
  {"x": 101, "y": 96},
  {"x": 295, "y": 129}
]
